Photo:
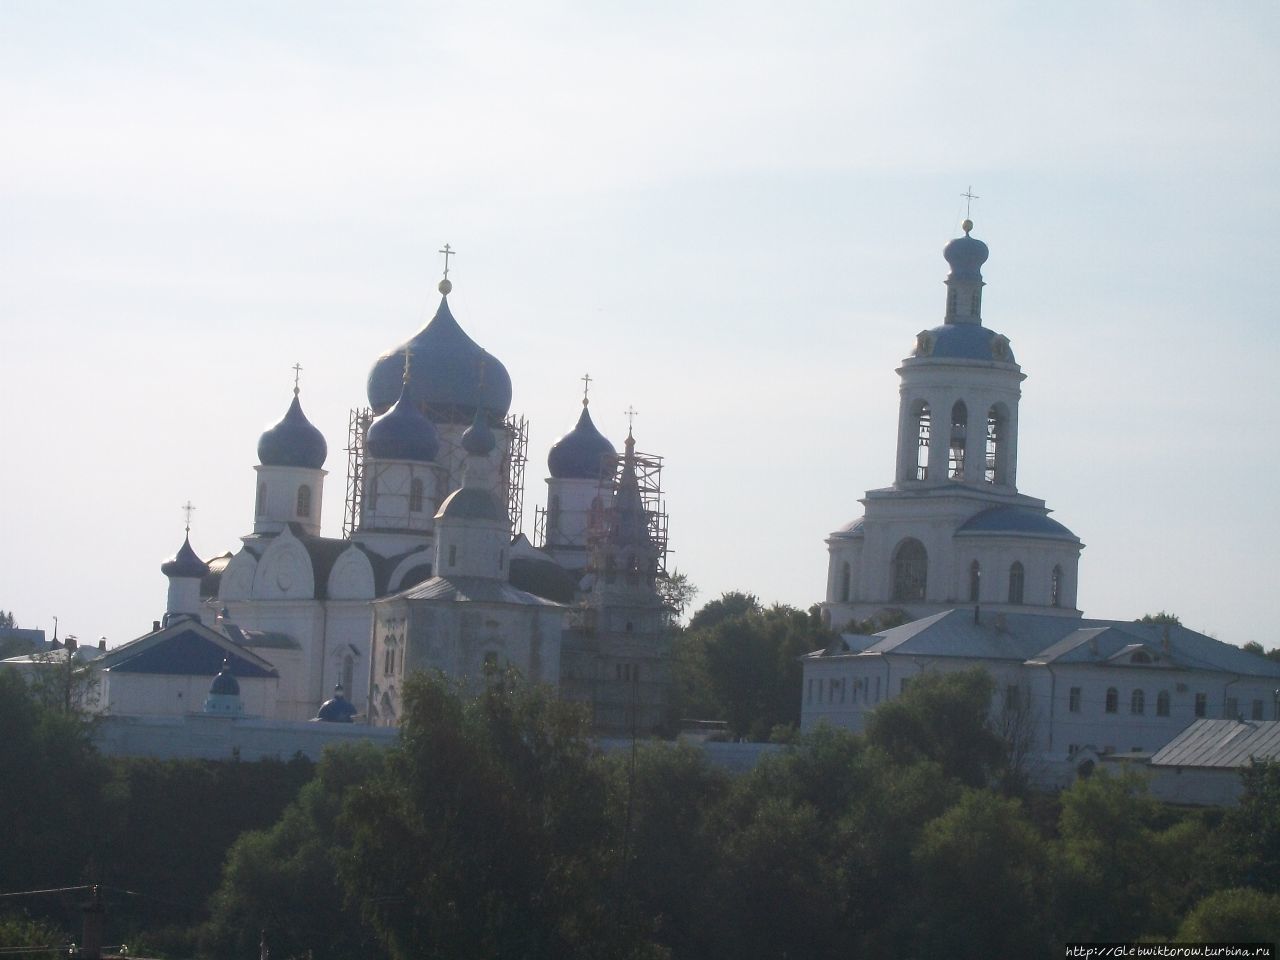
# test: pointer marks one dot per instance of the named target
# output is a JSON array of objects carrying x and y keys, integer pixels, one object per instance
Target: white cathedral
[
  {"x": 987, "y": 578},
  {"x": 427, "y": 574}
]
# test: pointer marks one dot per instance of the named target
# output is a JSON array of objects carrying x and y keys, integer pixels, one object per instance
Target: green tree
[
  {"x": 1252, "y": 829},
  {"x": 753, "y": 666},
  {"x": 20, "y": 936},
  {"x": 1254, "y": 647},
  {"x": 51, "y": 802},
  {"x": 1109, "y": 869},
  {"x": 729, "y": 605},
  {"x": 1238, "y": 915},
  {"x": 942, "y": 717},
  {"x": 283, "y": 882},
  {"x": 1162, "y": 617},
  {"x": 983, "y": 880},
  {"x": 489, "y": 834}
]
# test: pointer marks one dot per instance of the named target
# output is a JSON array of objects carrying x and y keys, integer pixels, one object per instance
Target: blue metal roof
[
  {"x": 336, "y": 710},
  {"x": 964, "y": 341},
  {"x": 403, "y": 433},
  {"x": 293, "y": 442},
  {"x": 582, "y": 452},
  {"x": 1018, "y": 520},
  {"x": 186, "y": 653},
  {"x": 444, "y": 373}
]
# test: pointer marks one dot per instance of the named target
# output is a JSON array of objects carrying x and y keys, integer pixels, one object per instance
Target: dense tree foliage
[
  {"x": 739, "y": 662},
  {"x": 496, "y": 829}
]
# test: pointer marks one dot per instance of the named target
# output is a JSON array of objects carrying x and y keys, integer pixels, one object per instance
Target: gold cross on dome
[
  {"x": 631, "y": 413},
  {"x": 448, "y": 252},
  {"x": 969, "y": 197},
  {"x": 297, "y": 377},
  {"x": 586, "y": 387},
  {"x": 188, "y": 508}
]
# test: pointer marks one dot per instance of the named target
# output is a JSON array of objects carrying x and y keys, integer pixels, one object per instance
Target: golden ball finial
[
  {"x": 966, "y": 227},
  {"x": 445, "y": 286}
]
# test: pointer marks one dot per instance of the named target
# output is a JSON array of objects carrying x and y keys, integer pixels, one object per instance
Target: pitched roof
[
  {"x": 1221, "y": 743},
  {"x": 1044, "y": 639},
  {"x": 184, "y": 648},
  {"x": 473, "y": 590}
]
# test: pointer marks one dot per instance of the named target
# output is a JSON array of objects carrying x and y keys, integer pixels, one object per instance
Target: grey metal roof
[
  {"x": 186, "y": 647},
  {"x": 854, "y": 528},
  {"x": 1039, "y": 638},
  {"x": 473, "y": 590},
  {"x": 1221, "y": 743}
]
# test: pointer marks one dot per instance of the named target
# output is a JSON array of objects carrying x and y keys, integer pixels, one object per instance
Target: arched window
[
  {"x": 260, "y": 507},
  {"x": 921, "y": 419},
  {"x": 1162, "y": 703},
  {"x": 910, "y": 570},
  {"x": 955, "y": 452},
  {"x": 844, "y": 583},
  {"x": 975, "y": 581},
  {"x": 1138, "y": 702},
  {"x": 304, "y": 501},
  {"x": 1113, "y": 699},
  {"x": 1055, "y": 587},
  {"x": 1016, "y": 578},
  {"x": 995, "y": 468},
  {"x": 415, "y": 495}
]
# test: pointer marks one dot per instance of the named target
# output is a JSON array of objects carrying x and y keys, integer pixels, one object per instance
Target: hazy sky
[{"x": 730, "y": 214}]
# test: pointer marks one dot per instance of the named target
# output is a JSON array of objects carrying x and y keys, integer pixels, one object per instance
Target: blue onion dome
[
  {"x": 403, "y": 433},
  {"x": 445, "y": 377},
  {"x": 338, "y": 709},
  {"x": 966, "y": 255},
  {"x": 293, "y": 442},
  {"x": 185, "y": 563},
  {"x": 580, "y": 453},
  {"x": 225, "y": 683},
  {"x": 478, "y": 439}
]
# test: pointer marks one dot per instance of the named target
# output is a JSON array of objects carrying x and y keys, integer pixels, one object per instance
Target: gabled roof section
[
  {"x": 1221, "y": 743},
  {"x": 184, "y": 648},
  {"x": 474, "y": 590}
]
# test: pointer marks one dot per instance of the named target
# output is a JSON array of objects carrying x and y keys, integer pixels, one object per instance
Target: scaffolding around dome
[
  {"x": 648, "y": 471},
  {"x": 514, "y": 457}
]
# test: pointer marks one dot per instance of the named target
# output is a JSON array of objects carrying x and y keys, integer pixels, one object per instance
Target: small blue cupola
[
  {"x": 478, "y": 439},
  {"x": 293, "y": 442},
  {"x": 966, "y": 255},
  {"x": 582, "y": 452},
  {"x": 337, "y": 709},
  {"x": 185, "y": 564},
  {"x": 403, "y": 433},
  {"x": 224, "y": 693}
]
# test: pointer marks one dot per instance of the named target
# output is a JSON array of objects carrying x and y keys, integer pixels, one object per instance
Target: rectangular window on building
[
  {"x": 1073, "y": 700},
  {"x": 1202, "y": 704}
]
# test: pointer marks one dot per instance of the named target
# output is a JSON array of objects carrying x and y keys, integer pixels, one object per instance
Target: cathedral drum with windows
[{"x": 953, "y": 529}]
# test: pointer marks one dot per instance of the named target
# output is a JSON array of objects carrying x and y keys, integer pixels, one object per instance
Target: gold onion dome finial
[{"x": 966, "y": 227}]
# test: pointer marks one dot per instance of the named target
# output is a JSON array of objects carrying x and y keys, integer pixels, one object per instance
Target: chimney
[
  {"x": 155, "y": 625},
  {"x": 71, "y": 642},
  {"x": 102, "y": 643}
]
